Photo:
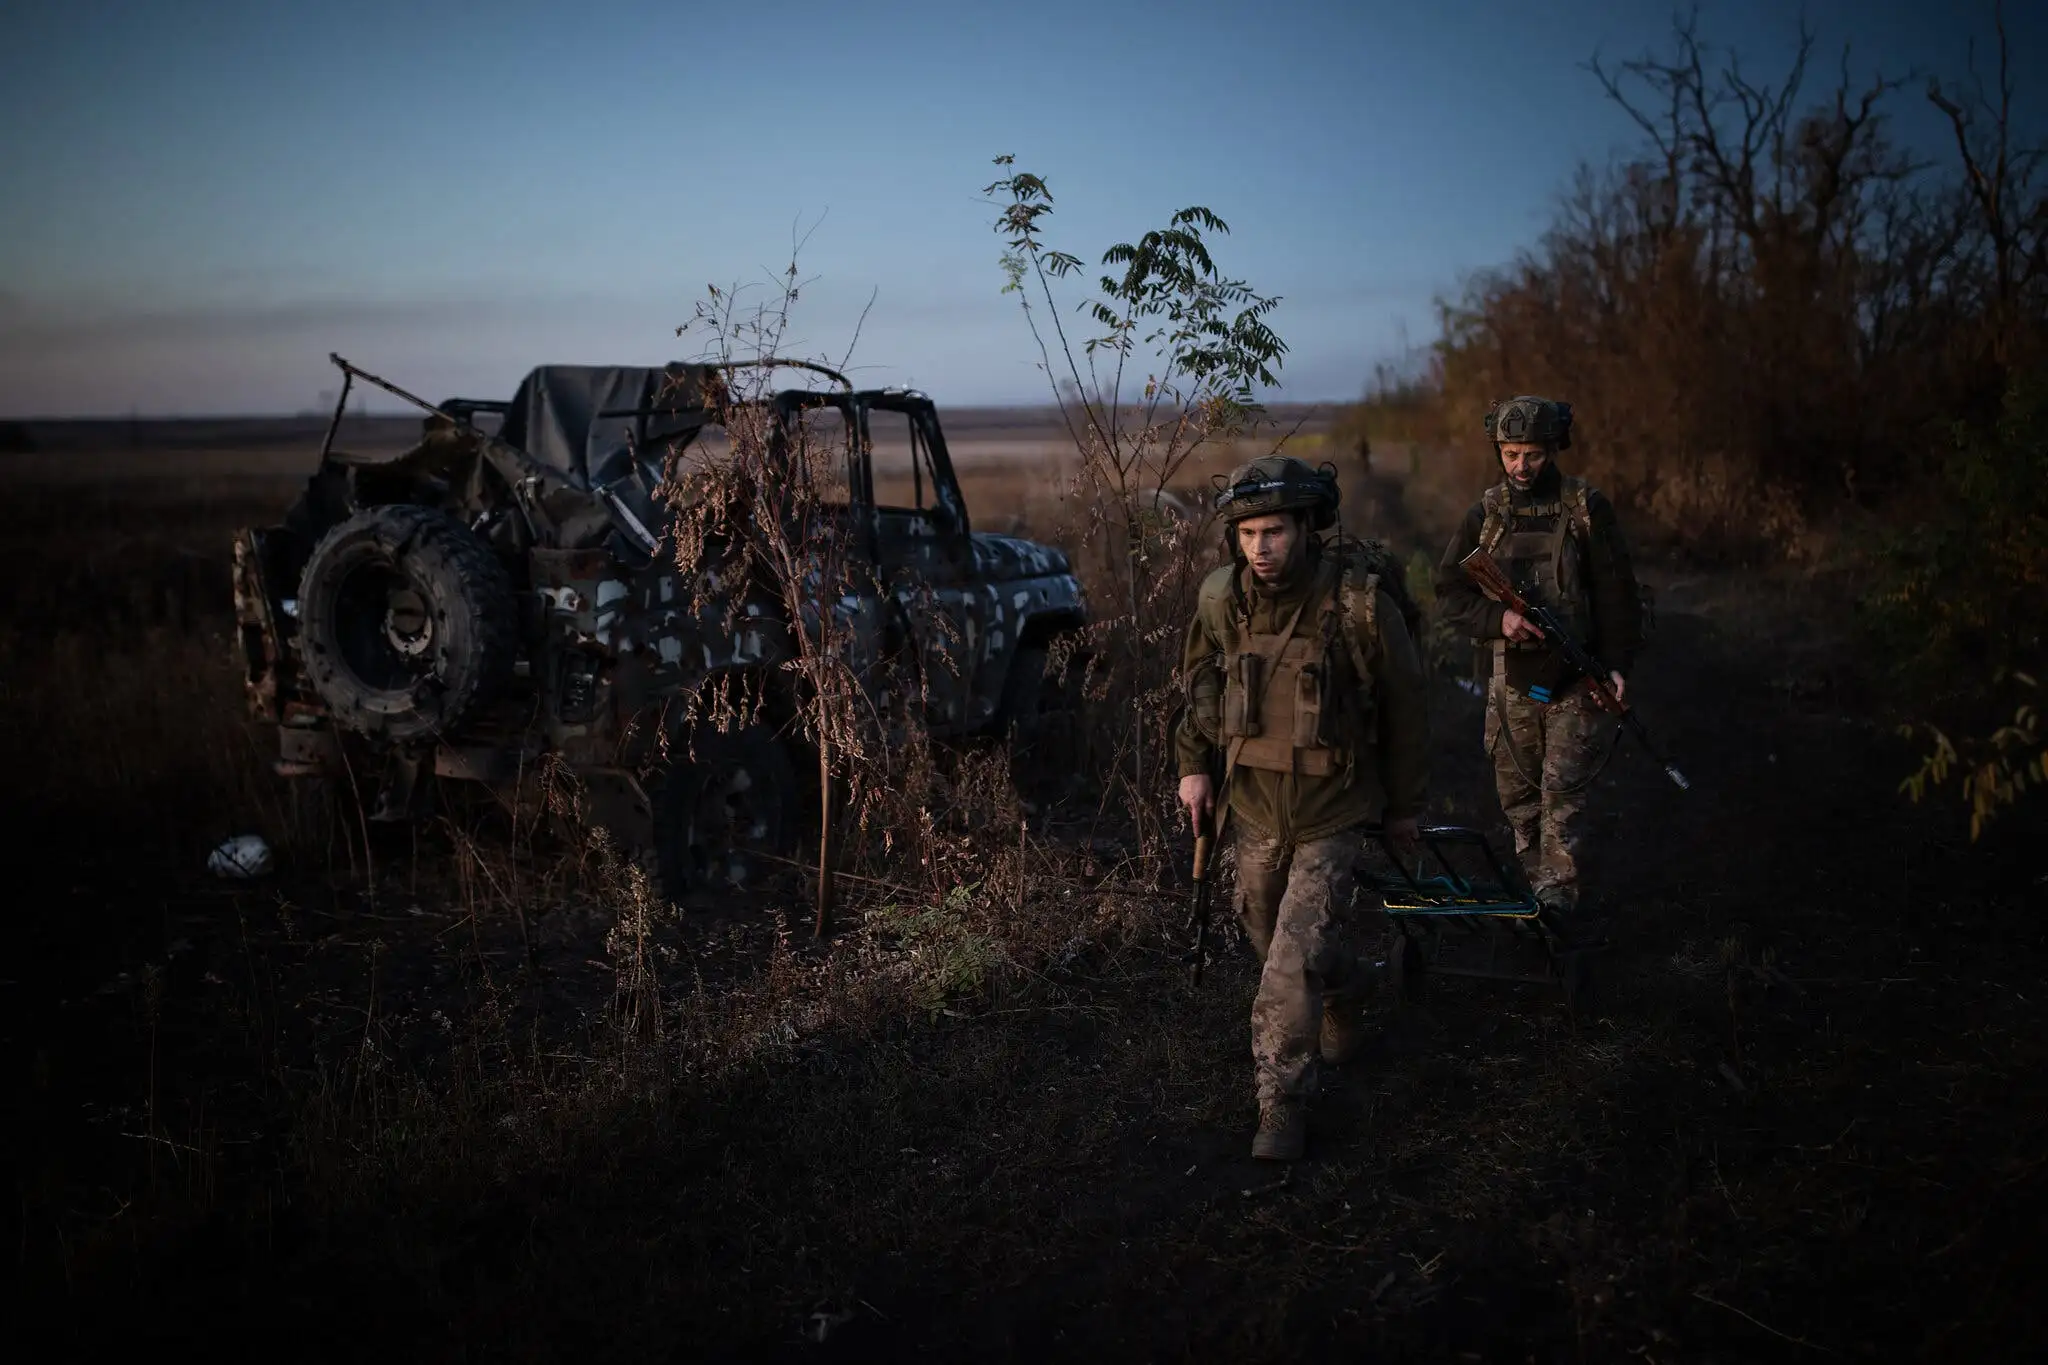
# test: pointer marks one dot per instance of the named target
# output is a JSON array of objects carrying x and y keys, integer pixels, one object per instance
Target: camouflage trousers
[
  {"x": 1556, "y": 746},
  {"x": 1288, "y": 898}
]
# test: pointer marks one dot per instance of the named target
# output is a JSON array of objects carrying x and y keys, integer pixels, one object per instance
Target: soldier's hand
[
  {"x": 1405, "y": 836},
  {"x": 1516, "y": 626},
  {"x": 1198, "y": 794},
  {"x": 1611, "y": 702}
]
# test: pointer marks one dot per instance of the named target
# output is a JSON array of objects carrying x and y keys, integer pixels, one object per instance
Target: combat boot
[
  {"x": 1343, "y": 1027},
  {"x": 1561, "y": 914},
  {"x": 1283, "y": 1130}
]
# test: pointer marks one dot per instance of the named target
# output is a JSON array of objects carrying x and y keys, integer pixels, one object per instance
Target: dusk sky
[{"x": 199, "y": 201}]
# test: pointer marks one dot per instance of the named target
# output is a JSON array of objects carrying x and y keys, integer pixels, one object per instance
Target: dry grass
[{"x": 495, "y": 1094}]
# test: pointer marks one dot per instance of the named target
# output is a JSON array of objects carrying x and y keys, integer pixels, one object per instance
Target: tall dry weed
[{"x": 1169, "y": 367}]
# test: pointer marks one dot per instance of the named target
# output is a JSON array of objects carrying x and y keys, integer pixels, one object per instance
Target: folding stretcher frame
[{"x": 1439, "y": 917}]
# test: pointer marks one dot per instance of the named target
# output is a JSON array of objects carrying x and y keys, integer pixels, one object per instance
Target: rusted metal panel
[{"x": 306, "y": 752}]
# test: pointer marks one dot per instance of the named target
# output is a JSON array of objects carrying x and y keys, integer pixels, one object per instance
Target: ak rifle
[
  {"x": 1207, "y": 832},
  {"x": 1204, "y": 890},
  {"x": 1492, "y": 580}
]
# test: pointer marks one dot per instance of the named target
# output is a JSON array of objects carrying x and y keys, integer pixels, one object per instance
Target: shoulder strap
[
  {"x": 1577, "y": 499},
  {"x": 1217, "y": 602},
  {"x": 1357, "y": 619},
  {"x": 1494, "y": 523},
  {"x": 1574, "y": 516},
  {"x": 1311, "y": 602}
]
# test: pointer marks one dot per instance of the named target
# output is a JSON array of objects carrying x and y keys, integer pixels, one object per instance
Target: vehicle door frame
[{"x": 925, "y": 559}]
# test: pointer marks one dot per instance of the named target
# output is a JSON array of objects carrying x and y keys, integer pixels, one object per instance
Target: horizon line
[{"x": 406, "y": 414}]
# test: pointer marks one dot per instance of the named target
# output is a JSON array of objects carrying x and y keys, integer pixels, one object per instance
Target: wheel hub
[{"x": 408, "y": 626}]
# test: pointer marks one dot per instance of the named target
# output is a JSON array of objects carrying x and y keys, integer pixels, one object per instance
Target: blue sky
[{"x": 198, "y": 202}]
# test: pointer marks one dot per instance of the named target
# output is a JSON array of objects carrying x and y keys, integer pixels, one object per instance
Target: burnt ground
[{"x": 310, "y": 1118}]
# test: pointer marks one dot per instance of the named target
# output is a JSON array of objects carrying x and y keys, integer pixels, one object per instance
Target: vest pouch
[
  {"x": 1308, "y": 707},
  {"x": 1243, "y": 696}
]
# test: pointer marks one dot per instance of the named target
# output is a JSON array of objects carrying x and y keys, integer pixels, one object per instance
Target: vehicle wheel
[
  {"x": 718, "y": 809},
  {"x": 1044, "y": 725},
  {"x": 407, "y": 622}
]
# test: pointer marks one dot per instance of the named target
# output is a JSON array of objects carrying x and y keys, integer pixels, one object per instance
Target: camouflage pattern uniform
[
  {"x": 1542, "y": 766},
  {"x": 1289, "y": 895},
  {"x": 1562, "y": 545},
  {"x": 1299, "y": 810}
]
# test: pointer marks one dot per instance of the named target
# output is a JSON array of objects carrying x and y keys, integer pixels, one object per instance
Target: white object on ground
[{"x": 242, "y": 857}]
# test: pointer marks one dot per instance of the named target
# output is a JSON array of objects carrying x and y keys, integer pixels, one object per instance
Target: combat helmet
[
  {"x": 1527, "y": 418},
  {"x": 1279, "y": 483}
]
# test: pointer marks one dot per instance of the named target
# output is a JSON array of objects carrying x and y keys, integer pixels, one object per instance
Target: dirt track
[{"x": 1808, "y": 1118}]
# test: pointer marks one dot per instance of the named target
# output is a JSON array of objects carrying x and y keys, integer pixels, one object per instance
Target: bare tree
[{"x": 2000, "y": 179}]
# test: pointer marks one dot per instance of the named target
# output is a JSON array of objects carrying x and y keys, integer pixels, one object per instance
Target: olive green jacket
[{"x": 1396, "y": 762}]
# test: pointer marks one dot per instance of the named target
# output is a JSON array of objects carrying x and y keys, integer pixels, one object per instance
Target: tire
[
  {"x": 407, "y": 623},
  {"x": 718, "y": 809}
]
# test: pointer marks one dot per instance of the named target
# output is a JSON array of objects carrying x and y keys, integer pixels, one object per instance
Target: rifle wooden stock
[{"x": 1486, "y": 572}]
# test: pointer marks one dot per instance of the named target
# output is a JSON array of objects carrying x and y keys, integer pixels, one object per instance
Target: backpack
[{"x": 1369, "y": 557}]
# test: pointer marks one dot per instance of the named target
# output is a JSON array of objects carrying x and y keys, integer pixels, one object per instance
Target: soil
[{"x": 1805, "y": 1117}]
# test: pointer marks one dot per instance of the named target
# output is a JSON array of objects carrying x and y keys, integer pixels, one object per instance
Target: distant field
[
  {"x": 1009, "y": 460},
  {"x": 394, "y": 433}
]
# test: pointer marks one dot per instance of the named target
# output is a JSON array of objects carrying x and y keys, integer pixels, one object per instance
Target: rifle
[
  {"x": 1492, "y": 580},
  {"x": 1203, "y": 887},
  {"x": 1205, "y": 849}
]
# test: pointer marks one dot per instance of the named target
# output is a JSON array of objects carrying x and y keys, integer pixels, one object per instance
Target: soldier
[
  {"x": 1559, "y": 542},
  {"x": 1302, "y": 667}
]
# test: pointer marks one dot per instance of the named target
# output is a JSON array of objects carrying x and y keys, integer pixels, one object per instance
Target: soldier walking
[
  {"x": 1304, "y": 680},
  {"x": 1559, "y": 541}
]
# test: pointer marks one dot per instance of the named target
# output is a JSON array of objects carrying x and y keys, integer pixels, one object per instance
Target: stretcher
[{"x": 1457, "y": 909}]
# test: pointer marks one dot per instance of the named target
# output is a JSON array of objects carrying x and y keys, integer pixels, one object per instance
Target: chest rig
[
  {"x": 1299, "y": 701},
  {"x": 1544, "y": 548}
]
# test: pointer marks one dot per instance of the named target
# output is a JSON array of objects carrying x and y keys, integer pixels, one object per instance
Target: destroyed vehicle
[{"x": 497, "y": 599}]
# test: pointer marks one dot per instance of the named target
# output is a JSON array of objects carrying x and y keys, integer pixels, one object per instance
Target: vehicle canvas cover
[{"x": 593, "y": 423}]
